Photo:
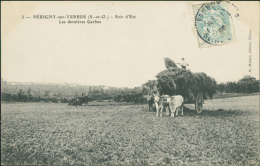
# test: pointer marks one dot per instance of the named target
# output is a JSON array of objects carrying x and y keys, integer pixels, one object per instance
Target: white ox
[{"x": 172, "y": 102}]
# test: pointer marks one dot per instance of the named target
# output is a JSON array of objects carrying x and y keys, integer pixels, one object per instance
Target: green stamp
[{"x": 213, "y": 24}]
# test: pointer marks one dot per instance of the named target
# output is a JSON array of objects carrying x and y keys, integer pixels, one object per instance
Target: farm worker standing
[
  {"x": 150, "y": 101},
  {"x": 183, "y": 64}
]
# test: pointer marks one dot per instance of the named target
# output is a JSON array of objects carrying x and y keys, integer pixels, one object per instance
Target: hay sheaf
[
  {"x": 177, "y": 81},
  {"x": 169, "y": 63}
]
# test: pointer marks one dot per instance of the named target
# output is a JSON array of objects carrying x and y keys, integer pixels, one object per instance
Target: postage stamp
[{"x": 213, "y": 24}]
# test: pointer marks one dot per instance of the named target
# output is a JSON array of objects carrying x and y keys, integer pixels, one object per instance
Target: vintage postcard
[{"x": 129, "y": 83}]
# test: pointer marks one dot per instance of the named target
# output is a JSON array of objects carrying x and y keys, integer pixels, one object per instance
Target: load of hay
[{"x": 178, "y": 81}]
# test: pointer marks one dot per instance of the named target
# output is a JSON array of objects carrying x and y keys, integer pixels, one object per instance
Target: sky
[{"x": 119, "y": 52}]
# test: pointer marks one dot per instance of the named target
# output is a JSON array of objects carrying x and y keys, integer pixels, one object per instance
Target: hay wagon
[
  {"x": 198, "y": 102},
  {"x": 193, "y": 98},
  {"x": 194, "y": 87}
]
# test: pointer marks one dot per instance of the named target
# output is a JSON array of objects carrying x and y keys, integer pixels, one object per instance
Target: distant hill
[{"x": 60, "y": 89}]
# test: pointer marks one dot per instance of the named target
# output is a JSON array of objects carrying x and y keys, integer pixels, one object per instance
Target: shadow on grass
[
  {"x": 96, "y": 105},
  {"x": 208, "y": 113},
  {"x": 107, "y": 104},
  {"x": 215, "y": 113}
]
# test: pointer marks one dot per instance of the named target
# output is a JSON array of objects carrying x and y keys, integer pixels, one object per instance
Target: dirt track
[{"x": 226, "y": 132}]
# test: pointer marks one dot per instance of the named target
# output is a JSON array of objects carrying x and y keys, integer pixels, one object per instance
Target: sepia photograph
[{"x": 130, "y": 83}]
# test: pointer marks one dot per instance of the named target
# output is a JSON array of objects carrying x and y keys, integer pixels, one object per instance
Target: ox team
[{"x": 173, "y": 103}]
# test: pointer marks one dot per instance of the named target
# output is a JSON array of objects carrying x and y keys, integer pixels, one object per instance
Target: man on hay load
[{"x": 183, "y": 64}]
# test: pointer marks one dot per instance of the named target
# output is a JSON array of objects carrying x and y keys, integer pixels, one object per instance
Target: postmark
[{"x": 213, "y": 24}]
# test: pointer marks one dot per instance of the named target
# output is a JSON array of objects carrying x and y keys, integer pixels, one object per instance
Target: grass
[{"x": 225, "y": 133}]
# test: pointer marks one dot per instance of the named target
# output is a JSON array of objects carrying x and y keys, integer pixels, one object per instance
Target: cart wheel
[{"x": 199, "y": 103}]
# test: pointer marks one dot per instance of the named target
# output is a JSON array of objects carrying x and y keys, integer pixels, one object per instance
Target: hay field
[{"x": 225, "y": 133}]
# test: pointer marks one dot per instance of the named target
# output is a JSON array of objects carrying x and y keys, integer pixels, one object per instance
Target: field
[
  {"x": 225, "y": 133},
  {"x": 229, "y": 95}
]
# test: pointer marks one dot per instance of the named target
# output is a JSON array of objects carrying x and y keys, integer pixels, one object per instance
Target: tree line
[
  {"x": 63, "y": 94},
  {"x": 248, "y": 84},
  {"x": 95, "y": 93}
]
